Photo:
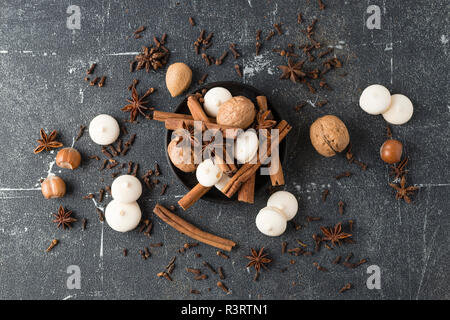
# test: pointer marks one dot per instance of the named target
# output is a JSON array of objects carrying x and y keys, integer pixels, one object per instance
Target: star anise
[
  {"x": 292, "y": 71},
  {"x": 335, "y": 235},
  {"x": 403, "y": 192},
  {"x": 137, "y": 104},
  {"x": 63, "y": 218},
  {"x": 47, "y": 142},
  {"x": 212, "y": 148},
  {"x": 186, "y": 135},
  {"x": 152, "y": 58},
  {"x": 399, "y": 170},
  {"x": 258, "y": 259},
  {"x": 264, "y": 120}
]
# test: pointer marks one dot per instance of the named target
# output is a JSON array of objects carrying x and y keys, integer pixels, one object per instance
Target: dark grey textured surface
[{"x": 43, "y": 64}]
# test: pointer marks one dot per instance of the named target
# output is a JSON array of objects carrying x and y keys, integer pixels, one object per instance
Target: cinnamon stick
[
  {"x": 247, "y": 170},
  {"x": 193, "y": 196},
  {"x": 262, "y": 103},
  {"x": 247, "y": 191},
  {"x": 196, "y": 109},
  {"x": 163, "y": 116},
  {"x": 227, "y": 131},
  {"x": 192, "y": 231},
  {"x": 277, "y": 178}
]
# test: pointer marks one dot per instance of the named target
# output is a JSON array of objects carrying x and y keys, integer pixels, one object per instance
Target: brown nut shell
[
  {"x": 53, "y": 187},
  {"x": 177, "y": 152},
  {"x": 178, "y": 78},
  {"x": 329, "y": 135},
  {"x": 237, "y": 112},
  {"x": 68, "y": 158}
]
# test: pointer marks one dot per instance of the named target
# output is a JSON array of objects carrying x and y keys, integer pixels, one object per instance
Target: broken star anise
[
  {"x": 137, "y": 104},
  {"x": 335, "y": 235},
  {"x": 258, "y": 259},
  {"x": 399, "y": 170},
  {"x": 47, "y": 142},
  {"x": 292, "y": 71},
  {"x": 403, "y": 192},
  {"x": 63, "y": 218},
  {"x": 264, "y": 120}
]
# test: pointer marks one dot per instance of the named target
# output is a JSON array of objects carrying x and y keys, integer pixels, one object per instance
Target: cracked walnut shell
[
  {"x": 237, "y": 112},
  {"x": 329, "y": 135}
]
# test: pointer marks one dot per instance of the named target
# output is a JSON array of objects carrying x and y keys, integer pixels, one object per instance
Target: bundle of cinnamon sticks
[{"x": 242, "y": 179}]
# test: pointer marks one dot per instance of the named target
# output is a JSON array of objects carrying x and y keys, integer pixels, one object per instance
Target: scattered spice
[
  {"x": 301, "y": 243},
  {"x": 80, "y": 132},
  {"x": 300, "y": 106},
  {"x": 63, "y": 218},
  {"x": 165, "y": 275},
  {"x": 312, "y": 219},
  {"x": 221, "y": 58},
  {"x": 321, "y": 5},
  {"x": 100, "y": 214},
  {"x": 238, "y": 70},
  {"x": 125, "y": 252},
  {"x": 163, "y": 189},
  {"x": 283, "y": 247},
  {"x": 47, "y": 142},
  {"x": 193, "y": 291},
  {"x": 83, "y": 224},
  {"x": 52, "y": 245},
  {"x": 345, "y": 288},
  {"x": 324, "y": 53},
  {"x": 94, "y": 82},
  {"x": 270, "y": 35},
  {"x": 341, "y": 205},
  {"x": 258, "y": 259},
  {"x": 399, "y": 170},
  {"x": 350, "y": 225},
  {"x": 221, "y": 254},
  {"x": 222, "y": 286},
  {"x": 337, "y": 260},
  {"x": 94, "y": 157},
  {"x": 334, "y": 234},
  {"x": 89, "y": 196},
  {"x": 299, "y": 18},
  {"x": 206, "y": 264},
  {"x": 102, "y": 81},
  {"x": 402, "y": 191},
  {"x": 201, "y": 277},
  {"x": 151, "y": 57},
  {"x": 192, "y": 21},
  {"x": 325, "y": 194},
  {"x": 319, "y": 267},
  {"x": 194, "y": 271},
  {"x": 221, "y": 274},
  {"x": 233, "y": 50},
  {"x": 277, "y": 27},
  {"x": 91, "y": 68},
  {"x": 343, "y": 175},
  {"x": 137, "y": 104},
  {"x": 203, "y": 78}
]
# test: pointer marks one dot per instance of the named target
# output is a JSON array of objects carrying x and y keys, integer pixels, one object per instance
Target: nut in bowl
[{"x": 248, "y": 112}]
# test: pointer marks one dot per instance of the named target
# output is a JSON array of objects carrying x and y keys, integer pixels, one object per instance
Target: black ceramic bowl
[{"x": 188, "y": 179}]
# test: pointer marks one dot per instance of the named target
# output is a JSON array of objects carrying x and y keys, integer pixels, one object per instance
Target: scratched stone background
[{"x": 43, "y": 64}]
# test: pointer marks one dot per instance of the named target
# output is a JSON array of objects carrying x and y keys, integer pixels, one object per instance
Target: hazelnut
[
  {"x": 68, "y": 158},
  {"x": 53, "y": 187},
  {"x": 329, "y": 135},
  {"x": 237, "y": 112},
  {"x": 178, "y": 78},
  {"x": 391, "y": 151},
  {"x": 179, "y": 155}
]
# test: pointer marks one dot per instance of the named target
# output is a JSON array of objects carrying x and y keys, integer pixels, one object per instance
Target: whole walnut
[
  {"x": 182, "y": 156},
  {"x": 329, "y": 135},
  {"x": 237, "y": 112}
]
